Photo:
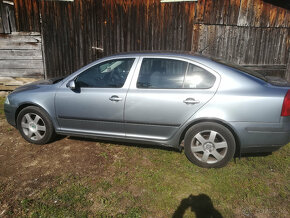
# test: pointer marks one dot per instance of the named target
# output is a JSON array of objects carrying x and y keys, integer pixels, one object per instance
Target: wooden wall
[
  {"x": 248, "y": 32},
  {"x": 20, "y": 52},
  {"x": 21, "y": 55},
  {"x": 7, "y": 18}
]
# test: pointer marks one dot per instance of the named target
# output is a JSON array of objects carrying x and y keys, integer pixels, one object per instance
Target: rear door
[{"x": 164, "y": 94}]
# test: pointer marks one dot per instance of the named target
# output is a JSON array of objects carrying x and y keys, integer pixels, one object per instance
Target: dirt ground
[{"x": 26, "y": 168}]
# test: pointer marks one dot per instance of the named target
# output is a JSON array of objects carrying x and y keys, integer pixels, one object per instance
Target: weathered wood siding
[
  {"x": 21, "y": 55},
  {"x": 7, "y": 18},
  {"x": 248, "y": 32},
  {"x": 27, "y": 15}
]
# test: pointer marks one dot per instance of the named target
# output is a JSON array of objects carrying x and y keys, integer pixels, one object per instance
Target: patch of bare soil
[{"x": 26, "y": 168}]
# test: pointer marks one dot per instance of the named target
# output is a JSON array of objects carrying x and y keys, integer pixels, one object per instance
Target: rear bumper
[
  {"x": 262, "y": 137},
  {"x": 10, "y": 114}
]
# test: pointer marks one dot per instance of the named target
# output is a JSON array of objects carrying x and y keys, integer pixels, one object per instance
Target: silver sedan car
[{"x": 218, "y": 110}]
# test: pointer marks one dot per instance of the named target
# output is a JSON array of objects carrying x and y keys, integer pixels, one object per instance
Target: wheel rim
[
  {"x": 209, "y": 146},
  {"x": 33, "y": 126}
]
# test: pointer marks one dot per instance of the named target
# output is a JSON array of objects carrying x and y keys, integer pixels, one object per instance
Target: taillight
[{"x": 286, "y": 105}]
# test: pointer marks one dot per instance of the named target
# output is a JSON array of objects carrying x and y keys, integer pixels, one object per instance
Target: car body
[{"x": 157, "y": 98}]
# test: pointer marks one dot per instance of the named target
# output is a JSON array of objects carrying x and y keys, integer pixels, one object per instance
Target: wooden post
[{"x": 287, "y": 74}]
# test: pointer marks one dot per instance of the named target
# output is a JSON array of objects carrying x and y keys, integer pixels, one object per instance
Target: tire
[
  {"x": 35, "y": 125},
  {"x": 209, "y": 145}
]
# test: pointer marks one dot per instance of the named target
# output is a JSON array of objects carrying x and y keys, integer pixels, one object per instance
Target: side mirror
[{"x": 71, "y": 85}]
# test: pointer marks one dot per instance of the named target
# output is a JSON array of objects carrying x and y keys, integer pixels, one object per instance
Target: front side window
[
  {"x": 109, "y": 74},
  {"x": 157, "y": 73}
]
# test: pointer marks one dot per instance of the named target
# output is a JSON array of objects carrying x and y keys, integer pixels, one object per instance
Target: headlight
[{"x": 7, "y": 101}]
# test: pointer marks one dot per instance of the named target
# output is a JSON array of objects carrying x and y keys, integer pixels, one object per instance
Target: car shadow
[
  {"x": 260, "y": 154},
  {"x": 201, "y": 205},
  {"x": 140, "y": 145},
  {"x": 151, "y": 146}
]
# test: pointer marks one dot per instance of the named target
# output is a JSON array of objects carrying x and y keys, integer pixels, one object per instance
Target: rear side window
[
  {"x": 198, "y": 78},
  {"x": 161, "y": 73},
  {"x": 158, "y": 73}
]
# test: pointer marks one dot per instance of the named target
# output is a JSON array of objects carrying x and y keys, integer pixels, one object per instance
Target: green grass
[
  {"x": 1, "y": 105},
  {"x": 153, "y": 182},
  {"x": 69, "y": 199}
]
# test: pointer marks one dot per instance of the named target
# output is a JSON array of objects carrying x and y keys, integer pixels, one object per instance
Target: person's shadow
[{"x": 201, "y": 205}]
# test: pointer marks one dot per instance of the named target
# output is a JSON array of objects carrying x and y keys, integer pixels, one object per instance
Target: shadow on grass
[
  {"x": 140, "y": 145},
  {"x": 152, "y": 146},
  {"x": 201, "y": 205}
]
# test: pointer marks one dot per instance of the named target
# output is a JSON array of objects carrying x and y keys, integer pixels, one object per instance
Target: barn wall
[
  {"x": 248, "y": 32},
  {"x": 27, "y": 15},
  {"x": 20, "y": 52},
  {"x": 21, "y": 55}
]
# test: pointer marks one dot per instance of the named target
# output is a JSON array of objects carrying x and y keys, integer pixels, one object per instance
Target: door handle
[
  {"x": 191, "y": 101},
  {"x": 115, "y": 98}
]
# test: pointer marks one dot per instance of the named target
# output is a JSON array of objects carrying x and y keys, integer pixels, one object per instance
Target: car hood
[
  {"x": 46, "y": 81},
  {"x": 36, "y": 84}
]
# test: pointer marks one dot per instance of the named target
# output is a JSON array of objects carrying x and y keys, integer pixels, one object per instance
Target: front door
[
  {"x": 96, "y": 105},
  {"x": 165, "y": 94}
]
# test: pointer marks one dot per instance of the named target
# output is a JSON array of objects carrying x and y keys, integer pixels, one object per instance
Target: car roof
[
  {"x": 208, "y": 61},
  {"x": 187, "y": 54}
]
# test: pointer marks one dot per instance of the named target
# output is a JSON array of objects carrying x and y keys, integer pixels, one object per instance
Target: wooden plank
[
  {"x": 265, "y": 66},
  {"x": 7, "y": 88},
  {"x": 25, "y": 34},
  {"x": 5, "y": 18},
  {"x": 18, "y": 38},
  {"x": 234, "y": 12},
  {"x": 12, "y": 18},
  {"x": 20, "y": 45},
  {"x": 21, "y": 54},
  {"x": 269, "y": 70},
  {"x": 243, "y": 13},
  {"x": 287, "y": 74},
  {"x": 1, "y": 21},
  {"x": 20, "y": 64},
  {"x": 27, "y": 15},
  {"x": 21, "y": 72}
]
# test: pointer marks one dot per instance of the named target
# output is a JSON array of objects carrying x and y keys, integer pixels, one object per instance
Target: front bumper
[{"x": 10, "y": 112}]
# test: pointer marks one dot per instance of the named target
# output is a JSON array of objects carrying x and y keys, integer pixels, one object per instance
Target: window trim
[
  {"x": 93, "y": 64},
  {"x": 189, "y": 61}
]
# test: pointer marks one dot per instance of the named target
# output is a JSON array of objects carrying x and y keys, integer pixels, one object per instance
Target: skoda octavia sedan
[{"x": 217, "y": 109}]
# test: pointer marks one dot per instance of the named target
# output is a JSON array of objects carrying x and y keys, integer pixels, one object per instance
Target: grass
[
  {"x": 145, "y": 181},
  {"x": 158, "y": 186},
  {"x": 1, "y": 106}
]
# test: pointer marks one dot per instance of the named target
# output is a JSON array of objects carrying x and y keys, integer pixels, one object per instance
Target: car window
[
  {"x": 160, "y": 73},
  {"x": 157, "y": 73},
  {"x": 198, "y": 78},
  {"x": 108, "y": 74}
]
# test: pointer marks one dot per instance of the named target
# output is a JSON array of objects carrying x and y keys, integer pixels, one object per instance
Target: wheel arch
[
  {"x": 214, "y": 120},
  {"x": 25, "y": 105}
]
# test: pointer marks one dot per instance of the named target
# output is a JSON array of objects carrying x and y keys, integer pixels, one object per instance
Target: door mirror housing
[{"x": 71, "y": 85}]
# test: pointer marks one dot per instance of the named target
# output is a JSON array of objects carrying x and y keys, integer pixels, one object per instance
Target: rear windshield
[{"x": 243, "y": 69}]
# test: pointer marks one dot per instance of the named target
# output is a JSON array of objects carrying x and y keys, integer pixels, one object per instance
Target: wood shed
[{"x": 47, "y": 38}]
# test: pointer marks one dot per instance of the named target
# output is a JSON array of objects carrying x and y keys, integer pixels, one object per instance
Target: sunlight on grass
[{"x": 154, "y": 182}]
